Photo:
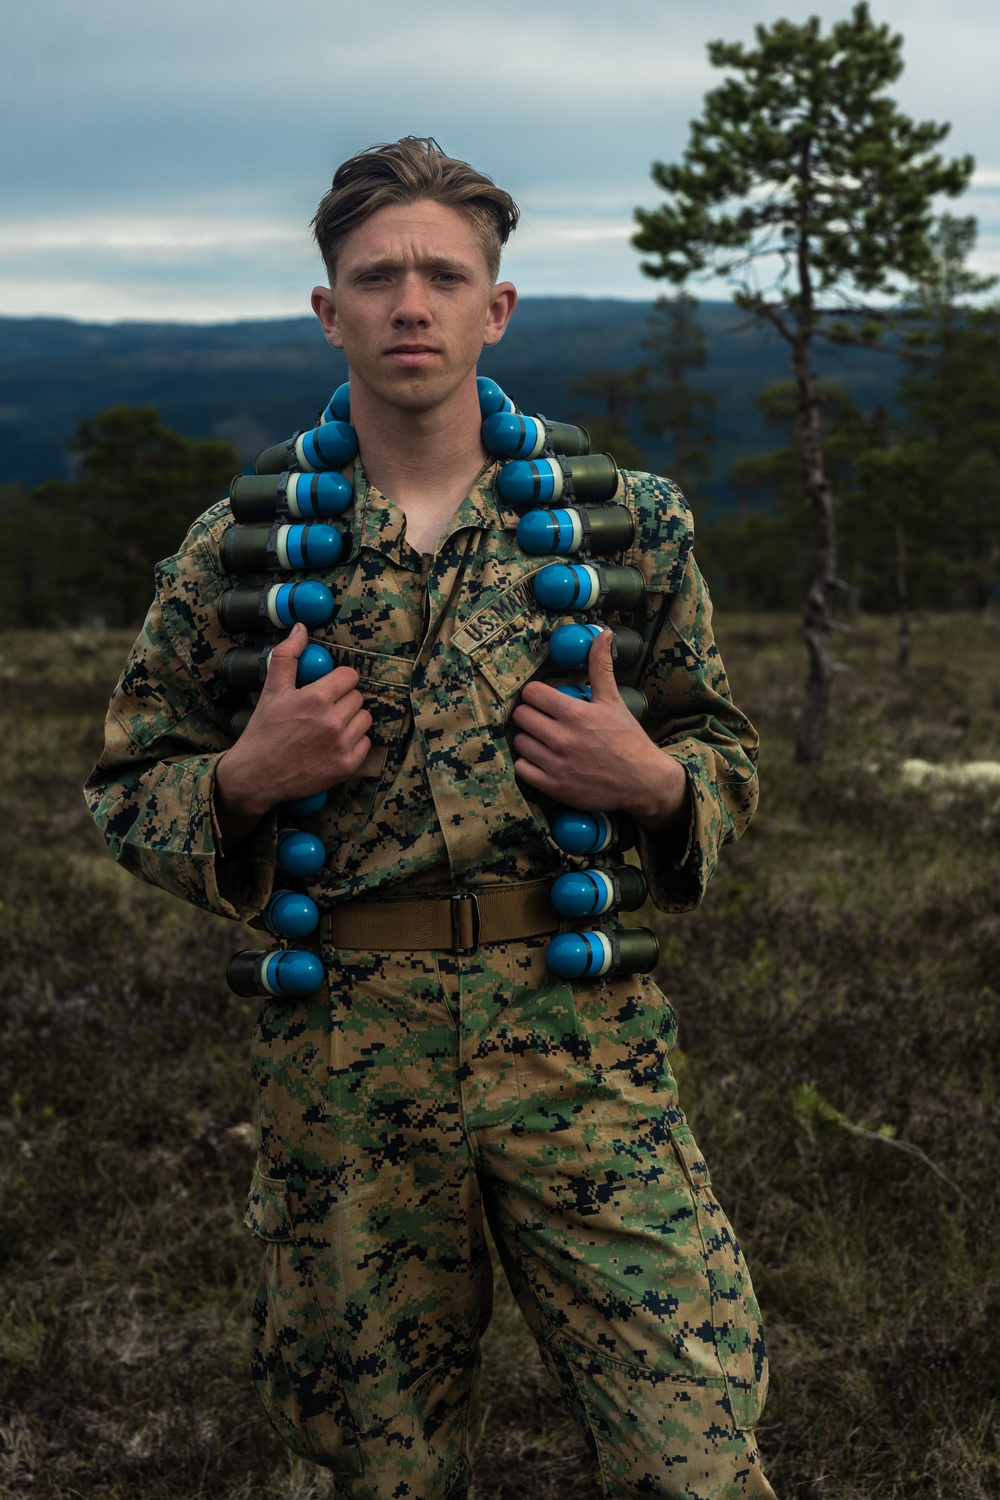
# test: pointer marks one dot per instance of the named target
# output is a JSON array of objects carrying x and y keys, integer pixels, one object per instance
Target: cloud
[
  {"x": 173, "y": 154},
  {"x": 114, "y": 300},
  {"x": 105, "y": 267},
  {"x": 142, "y": 236}
]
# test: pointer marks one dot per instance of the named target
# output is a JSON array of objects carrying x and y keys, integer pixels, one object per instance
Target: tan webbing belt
[{"x": 459, "y": 921}]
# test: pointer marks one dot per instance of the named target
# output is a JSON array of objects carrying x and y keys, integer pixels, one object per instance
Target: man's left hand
[{"x": 595, "y": 755}]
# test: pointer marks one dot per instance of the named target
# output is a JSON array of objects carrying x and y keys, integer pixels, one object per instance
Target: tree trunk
[
  {"x": 902, "y": 596},
  {"x": 817, "y": 612}
]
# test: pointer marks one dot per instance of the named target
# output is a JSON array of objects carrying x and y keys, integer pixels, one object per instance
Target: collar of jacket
[{"x": 378, "y": 523}]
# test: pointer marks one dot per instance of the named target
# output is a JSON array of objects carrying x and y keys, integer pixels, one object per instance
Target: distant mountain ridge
[{"x": 256, "y": 382}]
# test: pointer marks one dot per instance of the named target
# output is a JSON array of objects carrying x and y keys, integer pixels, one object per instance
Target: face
[{"x": 413, "y": 305}]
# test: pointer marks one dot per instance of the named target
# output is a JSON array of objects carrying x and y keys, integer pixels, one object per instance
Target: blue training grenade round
[
  {"x": 305, "y": 497},
  {"x": 245, "y": 610},
  {"x": 592, "y": 893},
  {"x": 634, "y": 699},
  {"x": 291, "y": 914},
  {"x": 314, "y": 663},
  {"x": 587, "y": 955},
  {"x": 605, "y": 528},
  {"x": 491, "y": 397},
  {"x": 256, "y": 549},
  {"x": 338, "y": 408},
  {"x": 283, "y": 972},
  {"x": 569, "y": 645},
  {"x": 305, "y": 807},
  {"x": 510, "y": 435},
  {"x": 300, "y": 853},
  {"x": 244, "y": 668},
  {"x": 583, "y": 586},
  {"x": 540, "y": 481},
  {"x": 330, "y": 446},
  {"x": 578, "y": 832}
]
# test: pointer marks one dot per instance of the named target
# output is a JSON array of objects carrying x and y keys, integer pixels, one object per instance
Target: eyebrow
[{"x": 390, "y": 263}]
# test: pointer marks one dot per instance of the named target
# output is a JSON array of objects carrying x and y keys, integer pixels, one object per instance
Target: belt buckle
[{"x": 455, "y": 897}]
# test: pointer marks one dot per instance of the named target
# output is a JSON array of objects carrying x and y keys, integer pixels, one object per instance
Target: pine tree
[
  {"x": 759, "y": 553},
  {"x": 800, "y": 165},
  {"x": 616, "y": 390},
  {"x": 951, "y": 439},
  {"x": 673, "y": 408},
  {"x": 139, "y": 487}
]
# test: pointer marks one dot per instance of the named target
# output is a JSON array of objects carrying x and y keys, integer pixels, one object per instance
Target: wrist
[
  {"x": 659, "y": 799},
  {"x": 238, "y": 798}
]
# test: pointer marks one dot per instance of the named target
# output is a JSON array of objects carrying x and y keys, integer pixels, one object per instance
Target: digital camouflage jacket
[{"x": 443, "y": 647}]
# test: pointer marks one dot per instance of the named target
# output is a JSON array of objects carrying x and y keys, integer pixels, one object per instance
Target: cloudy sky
[{"x": 162, "y": 161}]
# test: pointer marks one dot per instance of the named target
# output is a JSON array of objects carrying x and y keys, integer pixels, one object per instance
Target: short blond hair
[{"x": 405, "y": 171}]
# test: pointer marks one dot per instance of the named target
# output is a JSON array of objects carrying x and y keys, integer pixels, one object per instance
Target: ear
[
  {"x": 325, "y": 307},
  {"x": 503, "y": 301}
]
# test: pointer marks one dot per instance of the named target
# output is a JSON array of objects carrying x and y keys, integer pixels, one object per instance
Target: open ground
[{"x": 840, "y": 1041}]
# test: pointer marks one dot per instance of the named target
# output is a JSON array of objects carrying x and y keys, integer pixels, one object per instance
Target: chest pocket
[
  {"x": 384, "y": 683},
  {"x": 505, "y": 644}
]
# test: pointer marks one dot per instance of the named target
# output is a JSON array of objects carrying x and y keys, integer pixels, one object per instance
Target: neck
[{"x": 425, "y": 461}]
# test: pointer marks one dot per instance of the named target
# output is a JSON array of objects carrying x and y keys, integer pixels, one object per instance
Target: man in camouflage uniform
[{"x": 442, "y": 1072}]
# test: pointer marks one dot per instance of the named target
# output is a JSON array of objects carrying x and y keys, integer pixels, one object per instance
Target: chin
[{"x": 418, "y": 395}]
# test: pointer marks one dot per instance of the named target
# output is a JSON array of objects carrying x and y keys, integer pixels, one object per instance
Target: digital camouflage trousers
[{"x": 423, "y": 1090}]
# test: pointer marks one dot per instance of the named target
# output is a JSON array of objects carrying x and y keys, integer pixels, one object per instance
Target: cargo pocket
[
  {"x": 739, "y": 1333},
  {"x": 293, "y": 1363}
]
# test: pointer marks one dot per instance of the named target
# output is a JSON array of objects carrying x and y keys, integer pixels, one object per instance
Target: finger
[
  {"x": 545, "y": 699},
  {"x": 351, "y": 754},
  {"x": 334, "y": 685},
  {"x": 543, "y": 727},
  {"x": 527, "y": 771},
  {"x": 359, "y": 755},
  {"x": 527, "y": 748},
  {"x": 350, "y": 719},
  {"x": 601, "y": 669},
  {"x": 282, "y": 660}
]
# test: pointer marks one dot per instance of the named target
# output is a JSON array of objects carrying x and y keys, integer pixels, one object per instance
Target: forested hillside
[
  {"x": 251, "y": 383},
  {"x": 112, "y": 438}
]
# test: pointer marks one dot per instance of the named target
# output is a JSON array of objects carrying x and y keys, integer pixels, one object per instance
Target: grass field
[{"x": 840, "y": 1047}]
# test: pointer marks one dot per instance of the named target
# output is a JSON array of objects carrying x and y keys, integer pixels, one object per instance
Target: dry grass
[{"x": 838, "y": 997}]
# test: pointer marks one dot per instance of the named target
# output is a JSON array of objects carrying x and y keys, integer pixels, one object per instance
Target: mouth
[{"x": 411, "y": 353}]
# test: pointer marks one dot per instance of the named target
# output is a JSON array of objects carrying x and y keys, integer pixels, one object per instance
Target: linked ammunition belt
[
  {"x": 566, "y": 498},
  {"x": 458, "y": 921}
]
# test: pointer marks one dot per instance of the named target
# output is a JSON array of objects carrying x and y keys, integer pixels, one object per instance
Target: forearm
[
  {"x": 655, "y": 794},
  {"x": 680, "y": 860},
  {"x": 239, "y": 807},
  {"x": 159, "y": 821}
]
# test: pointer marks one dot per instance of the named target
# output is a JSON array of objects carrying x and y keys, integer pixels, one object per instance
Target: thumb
[
  {"x": 282, "y": 661},
  {"x": 601, "y": 669}
]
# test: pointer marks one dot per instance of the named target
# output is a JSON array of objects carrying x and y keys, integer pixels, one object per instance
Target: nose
[{"x": 412, "y": 309}]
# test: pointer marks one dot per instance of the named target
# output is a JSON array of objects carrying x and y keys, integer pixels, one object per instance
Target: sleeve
[
  {"x": 151, "y": 793},
  {"x": 691, "y": 715}
]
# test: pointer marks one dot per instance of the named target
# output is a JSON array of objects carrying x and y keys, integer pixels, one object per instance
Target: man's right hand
[{"x": 298, "y": 741}]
